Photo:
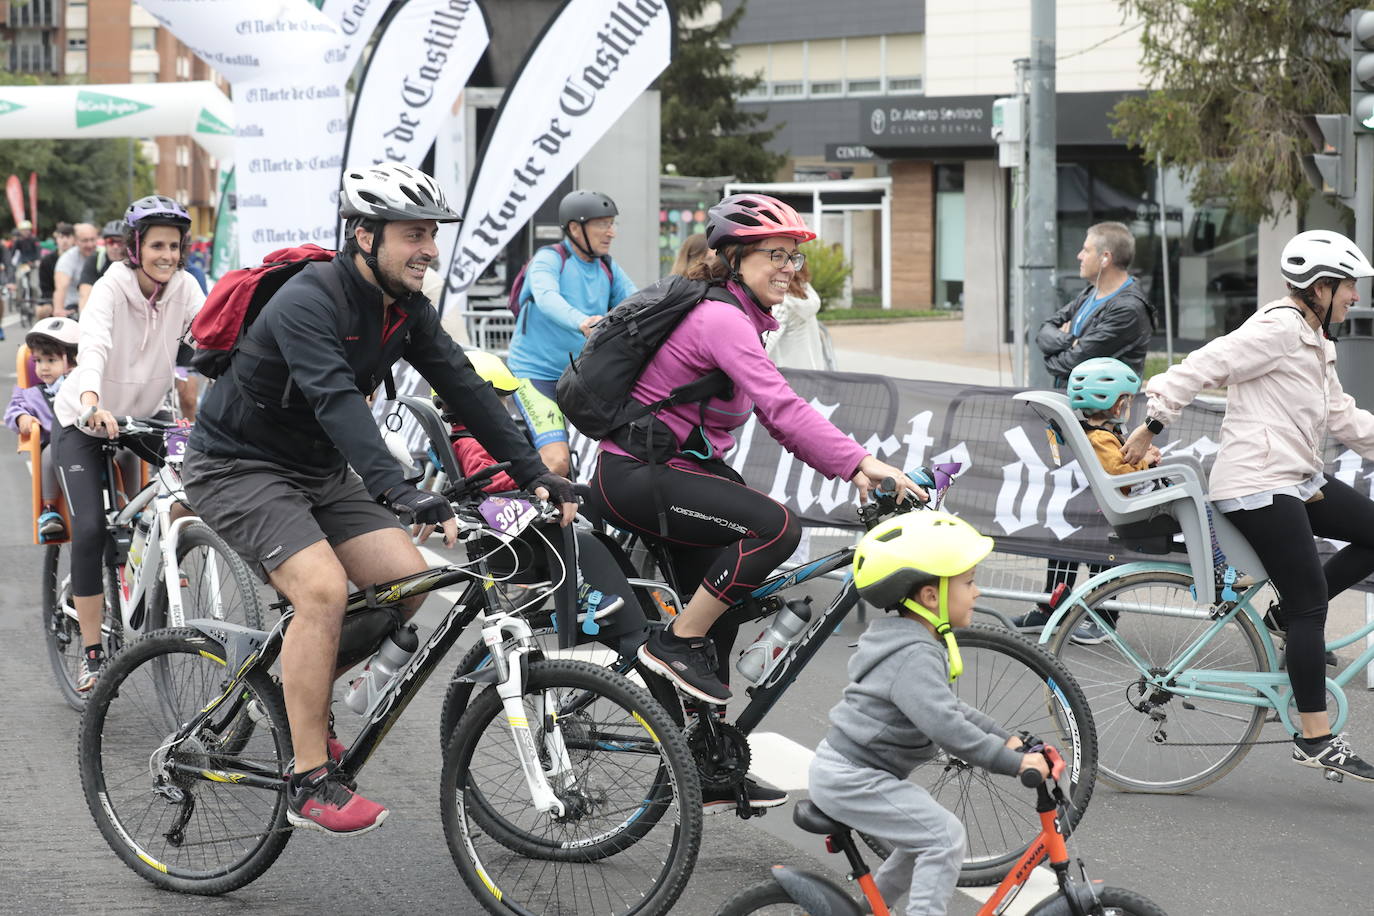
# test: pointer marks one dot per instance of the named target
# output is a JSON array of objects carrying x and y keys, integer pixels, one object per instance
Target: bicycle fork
[{"x": 511, "y": 668}]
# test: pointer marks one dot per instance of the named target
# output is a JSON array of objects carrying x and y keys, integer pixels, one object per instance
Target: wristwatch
[{"x": 1154, "y": 426}]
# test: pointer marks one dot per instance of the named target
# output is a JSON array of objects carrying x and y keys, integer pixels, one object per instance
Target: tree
[
  {"x": 1230, "y": 83},
  {"x": 703, "y": 132},
  {"x": 78, "y": 180}
]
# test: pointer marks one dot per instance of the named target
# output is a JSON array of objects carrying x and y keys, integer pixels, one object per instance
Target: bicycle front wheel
[
  {"x": 195, "y": 816},
  {"x": 630, "y": 830},
  {"x": 1023, "y": 688},
  {"x": 765, "y": 897},
  {"x": 215, "y": 582},
  {"x": 1111, "y": 901},
  {"x": 1151, "y": 739}
]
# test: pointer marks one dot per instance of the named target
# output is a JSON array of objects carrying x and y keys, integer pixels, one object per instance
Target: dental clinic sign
[
  {"x": 927, "y": 121},
  {"x": 594, "y": 59}
]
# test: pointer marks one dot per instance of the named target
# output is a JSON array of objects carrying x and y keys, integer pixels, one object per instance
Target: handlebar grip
[
  {"x": 888, "y": 486},
  {"x": 1031, "y": 778}
]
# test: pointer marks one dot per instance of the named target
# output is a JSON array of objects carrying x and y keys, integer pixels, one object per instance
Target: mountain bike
[
  {"x": 161, "y": 564},
  {"x": 589, "y": 798},
  {"x": 790, "y": 888},
  {"x": 1005, "y": 675}
]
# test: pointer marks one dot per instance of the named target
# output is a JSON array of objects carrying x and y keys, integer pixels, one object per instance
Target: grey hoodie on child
[{"x": 900, "y": 705}]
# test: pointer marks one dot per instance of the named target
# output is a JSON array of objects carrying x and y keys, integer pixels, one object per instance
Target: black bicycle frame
[{"x": 398, "y": 694}]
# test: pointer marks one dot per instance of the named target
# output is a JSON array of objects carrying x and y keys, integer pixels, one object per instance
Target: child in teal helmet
[{"x": 1101, "y": 389}]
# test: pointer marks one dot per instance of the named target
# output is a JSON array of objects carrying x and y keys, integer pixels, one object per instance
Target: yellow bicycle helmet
[
  {"x": 492, "y": 368},
  {"x": 912, "y": 550}
]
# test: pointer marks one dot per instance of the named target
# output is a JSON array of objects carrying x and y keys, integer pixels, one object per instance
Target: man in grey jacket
[{"x": 1111, "y": 317}]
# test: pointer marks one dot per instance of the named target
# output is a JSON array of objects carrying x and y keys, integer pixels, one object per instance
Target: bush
[{"x": 829, "y": 270}]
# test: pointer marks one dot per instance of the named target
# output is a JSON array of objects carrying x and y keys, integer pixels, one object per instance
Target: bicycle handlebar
[{"x": 1032, "y": 778}]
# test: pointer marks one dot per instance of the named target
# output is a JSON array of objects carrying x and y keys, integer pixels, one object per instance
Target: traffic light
[
  {"x": 1362, "y": 70},
  {"x": 1332, "y": 167}
]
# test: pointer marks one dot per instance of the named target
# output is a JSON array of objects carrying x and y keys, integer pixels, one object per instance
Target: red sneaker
[{"x": 323, "y": 802}]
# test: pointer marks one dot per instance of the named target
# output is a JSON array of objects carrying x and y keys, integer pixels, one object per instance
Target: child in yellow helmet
[{"x": 900, "y": 708}]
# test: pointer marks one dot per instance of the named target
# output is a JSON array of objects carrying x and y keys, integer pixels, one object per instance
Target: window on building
[
  {"x": 823, "y": 88},
  {"x": 143, "y": 77},
  {"x": 788, "y": 89},
  {"x": 863, "y": 86},
  {"x": 143, "y": 39},
  {"x": 76, "y": 40},
  {"x": 899, "y": 84}
]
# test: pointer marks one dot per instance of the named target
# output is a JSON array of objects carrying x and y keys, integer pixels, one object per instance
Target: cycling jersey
[
  {"x": 548, "y": 332},
  {"x": 295, "y": 390},
  {"x": 722, "y": 335},
  {"x": 544, "y": 422}
]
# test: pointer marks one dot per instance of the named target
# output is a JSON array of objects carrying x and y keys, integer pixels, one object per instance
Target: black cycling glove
[
  {"x": 560, "y": 488},
  {"x": 417, "y": 506}
]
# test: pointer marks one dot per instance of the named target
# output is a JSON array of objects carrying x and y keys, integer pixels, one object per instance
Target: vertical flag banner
[
  {"x": 593, "y": 60},
  {"x": 33, "y": 199},
  {"x": 421, "y": 63},
  {"x": 224, "y": 253},
  {"x": 285, "y": 60},
  {"x": 14, "y": 192},
  {"x": 356, "y": 19}
]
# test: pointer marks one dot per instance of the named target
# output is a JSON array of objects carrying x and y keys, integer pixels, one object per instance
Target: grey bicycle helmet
[
  {"x": 393, "y": 192},
  {"x": 114, "y": 229},
  {"x": 580, "y": 206}
]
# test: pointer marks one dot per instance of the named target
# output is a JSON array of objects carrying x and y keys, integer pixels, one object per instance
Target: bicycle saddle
[{"x": 813, "y": 820}]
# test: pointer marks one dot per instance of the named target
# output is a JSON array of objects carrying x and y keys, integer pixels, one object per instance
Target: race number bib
[{"x": 508, "y": 516}]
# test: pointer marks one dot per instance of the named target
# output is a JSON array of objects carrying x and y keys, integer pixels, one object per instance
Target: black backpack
[{"x": 594, "y": 391}]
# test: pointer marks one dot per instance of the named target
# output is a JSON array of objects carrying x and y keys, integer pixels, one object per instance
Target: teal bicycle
[{"x": 1189, "y": 673}]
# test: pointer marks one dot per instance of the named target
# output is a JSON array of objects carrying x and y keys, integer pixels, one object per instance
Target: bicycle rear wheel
[
  {"x": 183, "y": 817},
  {"x": 1149, "y": 738},
  {"x": 215, "y": 582},
  {"x": 765, "y": 897},
  {"x": 631, "y": 830},
  {"x": 1023, "y": 688}
]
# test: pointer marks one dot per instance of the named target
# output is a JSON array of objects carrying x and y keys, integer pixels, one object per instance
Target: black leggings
[
  {"x": 721, "y": 534},
  {"x": 1282, "y": 536},
  {"x": 80, "y": 461}
]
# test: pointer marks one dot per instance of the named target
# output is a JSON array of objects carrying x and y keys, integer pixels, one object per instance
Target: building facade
[
  {"x": 117, "y": 41},
  {"x": 905, "y": 89}
]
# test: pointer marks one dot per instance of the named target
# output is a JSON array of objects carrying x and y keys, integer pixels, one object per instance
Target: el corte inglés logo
[
  {"x": 6, "y": 107},
  {"x": 96, "y": 108},
  {"x": 207, "y": 123}
]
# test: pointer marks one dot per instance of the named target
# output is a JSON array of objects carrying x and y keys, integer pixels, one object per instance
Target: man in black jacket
[
  {"x": 288, "y": 465},
  {"x": 1111, "y": 317}
]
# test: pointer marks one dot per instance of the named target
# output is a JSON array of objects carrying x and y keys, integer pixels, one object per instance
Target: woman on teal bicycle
[{"x": 1283, "y": 399}]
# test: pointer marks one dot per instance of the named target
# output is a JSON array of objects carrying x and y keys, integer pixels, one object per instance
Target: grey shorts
[{"x": 268, "y": 512}]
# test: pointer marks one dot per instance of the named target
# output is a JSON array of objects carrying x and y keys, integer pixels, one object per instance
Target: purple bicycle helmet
[{"x": 154, "y": 210}]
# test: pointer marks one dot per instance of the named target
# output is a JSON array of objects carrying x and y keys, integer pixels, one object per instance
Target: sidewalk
[{"x": 929, "y": 349}]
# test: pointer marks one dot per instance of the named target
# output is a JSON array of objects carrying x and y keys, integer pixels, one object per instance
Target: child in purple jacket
[{"x": 52, "y": 346}]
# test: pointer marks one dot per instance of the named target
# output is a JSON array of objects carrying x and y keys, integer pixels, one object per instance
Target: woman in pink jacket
[
  {"x": 1282, "y": 400},
  {"x": 130, "y": 327},
  {"x": 727, "y": 537}
]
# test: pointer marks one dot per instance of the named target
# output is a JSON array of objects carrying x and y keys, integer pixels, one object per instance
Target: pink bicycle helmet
[{"x": 741, "y": 217}]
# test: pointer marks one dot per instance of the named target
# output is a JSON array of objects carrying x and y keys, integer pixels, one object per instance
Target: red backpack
[
  {"x": 517, "y": 289},
  {"x": 239, "y": 296}
]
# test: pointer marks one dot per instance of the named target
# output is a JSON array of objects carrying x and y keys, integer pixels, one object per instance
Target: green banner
[
  {"x": 97, "y": 108},
  {"x": 224, "y": 251}
]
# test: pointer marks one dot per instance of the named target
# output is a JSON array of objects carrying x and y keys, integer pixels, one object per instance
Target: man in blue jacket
[{"x": 568, "y": 288}]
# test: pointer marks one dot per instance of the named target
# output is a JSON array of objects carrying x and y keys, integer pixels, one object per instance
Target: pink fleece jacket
[
  {"x": 719, "y": 335},
  {"x": 1282, "y": 400}
]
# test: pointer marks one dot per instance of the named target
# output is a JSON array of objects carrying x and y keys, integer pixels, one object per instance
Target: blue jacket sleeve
[{"x": 544, "y": 278}]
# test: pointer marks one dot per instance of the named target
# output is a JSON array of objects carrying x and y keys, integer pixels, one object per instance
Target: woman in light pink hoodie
[
  {"x": 130, "y": 329},
  {"x": 1283, "y": 399}
]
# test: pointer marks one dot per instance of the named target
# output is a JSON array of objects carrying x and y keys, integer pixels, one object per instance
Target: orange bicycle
[{"x": 795, "y": 891}]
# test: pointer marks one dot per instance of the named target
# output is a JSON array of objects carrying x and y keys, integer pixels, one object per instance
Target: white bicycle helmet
[
  {"x": 393, "y": 192},
  {"x": 64, "y": 331},
  {"x": 1317, "y": 253}
]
